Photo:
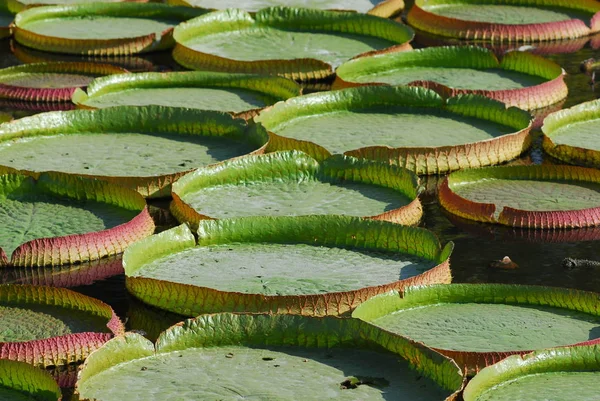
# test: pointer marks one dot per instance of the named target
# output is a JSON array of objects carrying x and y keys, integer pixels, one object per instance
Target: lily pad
[
  {"x": 295, "y": 184},
  {"x": 101, "y": 29},
  {"x": 19, "y": 381},
  {"x": 437, "y": 135},
  {"x": 310, "y": 265},
  {"x": 545, "y": 197},
  {"x": 233, "y": 93},
  {"x": 560, "y": 374},
  {"x": 312, "y": 358},
  {"x": 47, "y": 326},
  {"x": 506, "y": 20},
  {"x": 385, "y": 8},
  {"x": 518, "y": 79},
  {"x": 480, "y": 324},
  {"x": 310, "y": 43},
  {"x": 571, "y": 135},
  {"x": 144, "y": 148},
  {"x": 50, "y": 82},
  {"x": 55, "y": 219}
]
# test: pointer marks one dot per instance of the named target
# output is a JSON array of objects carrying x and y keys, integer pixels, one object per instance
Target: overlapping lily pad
[
  {"x": 311, "y": 358},
  {"x": 309, "y": 43},
  {"x": 20, "y": 381},
  {"x": 569, "y": 373},
  {"x": 50, "y": 82},
  {"x": 101, "y": 29},
  {"x": 145, "y": 148},
  {"x": 234, "y": 93},
  {"x": 47, "y": 326},
  {"x": 295, "y": 184},
  {"x": 571, "y": 135},
  {"x": 518, "y": 79},
  {"x": 544, "y": 197},
  {"x": 54, "y": 219},
  {"x": 412, "y": 127},
  {"x": 480, "y": 324},
  {"x": 309, "y": 265},
  {"x": 506, "y": 20},
  {"x": 381, "y": 8}
]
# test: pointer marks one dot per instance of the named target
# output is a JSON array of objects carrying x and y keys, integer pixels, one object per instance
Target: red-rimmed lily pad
[
  {"x": 101, "y": 29},
  {"x": 294, "y": 184},
  {"x": 19, "y": 381},
  {"x": 53, "y": 219},
  {"x": 506, "y": 20},
  {"x": 571, "y": 135},
  {"x": 311, "y": 358},
  {"x": 50, "y": 82},
  {"x": 517, "y": 78},
  {"x": 543, "y": 197},
  {"x": 145, "y": 148},
  {"x": 568, "y": 373},
  {"x": 412, "y": 127},
  {"x": 233, "y": 93},
  {"x": 480, "y": 324},
  {"x": 46, "y": 326},
  {"x": 309, "y": 43},
  {"x": 310, "y": 265}
]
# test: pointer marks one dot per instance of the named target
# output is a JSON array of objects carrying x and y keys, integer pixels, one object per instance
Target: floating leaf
[
  {"x": 310, "y": 265},
  {"x": 518, "y": 79},
  {"x": 547, "y": 197},
  {"x": 480, "y": 324},
  {"x": 412, "y": 127},
  {"x": 101, "y": 29},
  {"x": 20, "y": 381},
  {"x": 309, "y": 42},
  {"x": 311, "y": 358},
  {"x": 144, "y": 148},
  {"x": 47, "y": 326},
  {"x": 295, "y": 184}
]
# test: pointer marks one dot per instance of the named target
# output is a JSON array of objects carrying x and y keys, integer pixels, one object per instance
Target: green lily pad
[
  {"x": 437, "y": 135},
  {"x": 20, "y": 381},
  {"x": 309, "y": 42},
  {"x": 546, "y": 197},
  {"x": 295, "y": 184},
  {"x": 144, "y": 148},
  {"x": 311, "y": 358},
  {"x": 561, "y": 374},
  {"x": 47, "y": 326},
  {"x": 313, "y": 265},
  {"x": 518, "y": 79},
  {"x": 101, "y": 28},
  {"x": 479, "y": 324},
  {"x": 234, "y": 93}
]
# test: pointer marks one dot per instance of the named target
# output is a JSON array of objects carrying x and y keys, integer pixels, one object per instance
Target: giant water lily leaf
[
  {"x": 518, "y": 79},
  {"x": 385, "y": 8},
  {"x": 571, "y": 135},
  {"x": 145, "y": 148},
  {"x": 295, "y": 184},
  {"x": 479, "y": 324},
  {"x": 506, "y": 20},
  {"x": 561, "y": 374},
  {"x": 47, "y": 326},
  {"x": 410, "y": 126},
  {"x": 101, "y": 29},
  {"x": 61, "y": 219},
  {"x": 311, "y": 265},
  {"x": 309, "y": 42},
  {"x": 50, "y": 82},
  {"x": 546, "y": 197},
  {"x": 312, "y": 358},
  {"x": 19, "y": 381},
  {"x": 234, "y": 93}
]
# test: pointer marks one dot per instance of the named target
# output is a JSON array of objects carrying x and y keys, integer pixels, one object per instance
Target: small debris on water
[
  {"x": 229, "y": 355},
  {"x": 505, "y": 263}
]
